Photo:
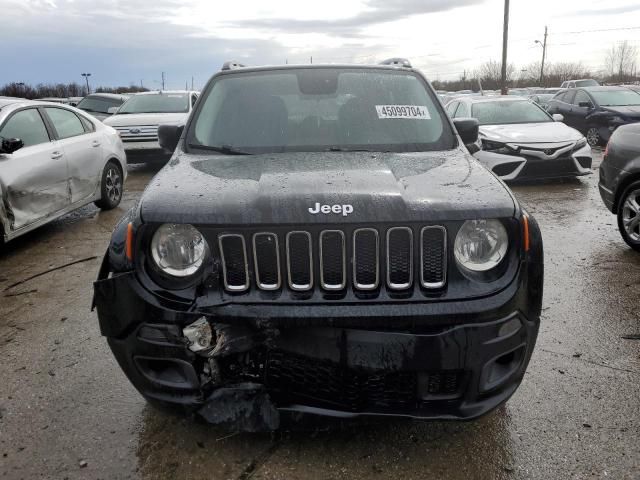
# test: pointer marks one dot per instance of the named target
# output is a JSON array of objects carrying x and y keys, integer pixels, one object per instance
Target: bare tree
[
  {"x": 621, "y": 62},
  {"x": 490, "y": 73}
]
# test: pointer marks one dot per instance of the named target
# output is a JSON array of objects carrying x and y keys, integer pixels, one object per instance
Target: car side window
[
  {"x": 28, "y": 126},
  {"x": 581, "y": 96},
  {"x": 463, "y": 110},
  {"x": 568, "y": 96},
  {"x": 451, "y": 108},
  {"x": 66, "y": 123}
]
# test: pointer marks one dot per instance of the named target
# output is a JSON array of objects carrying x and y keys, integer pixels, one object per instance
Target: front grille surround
[
  {"x": 358, "y": 262},
  {"x": 324, "y": 264},
  {"x": 258, "y": 259},
  {"x": 425, "y": 276},
  {"x": 226, "y": 272},
  {"x": 392, "y": 257},
  {"x": 293, "y": 273}
]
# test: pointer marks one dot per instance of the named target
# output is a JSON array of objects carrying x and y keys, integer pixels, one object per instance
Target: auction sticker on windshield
[{"x": 417, "y": 112}]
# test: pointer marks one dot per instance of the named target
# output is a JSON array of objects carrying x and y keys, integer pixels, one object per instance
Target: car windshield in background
[
  {"x": 157, "y": 103},
  {"x": 99, "y": 104},
  {"x": 320, "y": 110},
  {"x": 504, "y": 113},
  {"x": 586, "y": 83},
  {"x": 616, "y": 98}
]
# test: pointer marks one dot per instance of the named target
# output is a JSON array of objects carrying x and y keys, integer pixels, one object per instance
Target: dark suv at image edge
[{"x": 321, "y": 242}]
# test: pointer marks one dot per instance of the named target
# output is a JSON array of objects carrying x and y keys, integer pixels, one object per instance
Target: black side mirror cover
[
  {"x": 10, "y": 145},
  {"x": 467, "y": 129},
  {"x": 169, "y": 136}
]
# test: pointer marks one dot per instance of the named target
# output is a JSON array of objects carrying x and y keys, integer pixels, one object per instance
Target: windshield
[
  {"x": 586, "y": 83},
  {"x": 320, "y": 109},
  {"x": 504, "y": 113},
  {"x": 157, "y": 103},
  {"x": 98, "y": 104},
  {"x": 616, "y": 98}
]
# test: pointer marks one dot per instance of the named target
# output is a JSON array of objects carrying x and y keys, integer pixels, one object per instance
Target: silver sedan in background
[
  {"x": 54, "y": 159},
  {"x": 518, "y": 140}
]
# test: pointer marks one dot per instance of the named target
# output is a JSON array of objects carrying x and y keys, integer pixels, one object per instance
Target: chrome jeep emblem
[{"x": 326, "y": 209}]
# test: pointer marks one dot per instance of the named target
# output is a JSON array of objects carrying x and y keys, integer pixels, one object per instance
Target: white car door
[
  {"x": 33, "y": 179},
  {"x": 82, "y": 148}
]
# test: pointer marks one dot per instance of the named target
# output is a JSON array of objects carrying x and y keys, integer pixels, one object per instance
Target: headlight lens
[
  {"x": 580, "y": 143},
  {"x": 178, "y": 249},
  {"x": 481, "y": 245}
]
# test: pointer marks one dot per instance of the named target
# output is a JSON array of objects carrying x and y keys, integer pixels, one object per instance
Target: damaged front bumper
[{"x": 248, "y": 366}]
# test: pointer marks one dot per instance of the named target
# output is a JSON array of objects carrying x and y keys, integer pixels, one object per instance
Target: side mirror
[
  {"x": 10, "y": 145},
  {"x": 169, "y": 136},
  {"x": 557, "y": 117},
  {"x": 112, "y": 110},
  {"x": 585, "y": 105},
  {"x": 467, "y": 129}
]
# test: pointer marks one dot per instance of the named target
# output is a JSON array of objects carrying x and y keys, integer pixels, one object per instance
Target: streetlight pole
[
  {"x": 86, "y": 77},
  {"x": 505, "y": 39},
  {"x": 544, "y": 53}
]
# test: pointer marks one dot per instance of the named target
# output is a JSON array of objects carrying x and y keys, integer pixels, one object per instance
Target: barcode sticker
[{"x": 416, "y": 112}]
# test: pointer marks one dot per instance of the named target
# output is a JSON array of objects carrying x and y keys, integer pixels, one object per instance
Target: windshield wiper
[{"x": 226, "y": 149}]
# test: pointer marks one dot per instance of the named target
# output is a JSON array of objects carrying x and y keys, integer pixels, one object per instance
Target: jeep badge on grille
[{"x": 338, "y": 209}]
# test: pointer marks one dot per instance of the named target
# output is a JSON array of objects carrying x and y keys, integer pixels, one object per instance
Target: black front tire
[
  {"x": 111, "y": 186},
  {"x": 629, "y": 215}
]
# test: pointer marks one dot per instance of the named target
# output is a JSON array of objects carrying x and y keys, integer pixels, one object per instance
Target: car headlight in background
[
  {"x": 580, "y": 143},
  {"x": 178, "y": 249},
  {"x": 481, "y": 245}
]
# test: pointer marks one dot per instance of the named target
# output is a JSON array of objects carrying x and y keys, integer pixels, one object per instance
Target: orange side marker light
[
  {"x": 525, "y": 233},
  {"x": 129, "y": 244}
]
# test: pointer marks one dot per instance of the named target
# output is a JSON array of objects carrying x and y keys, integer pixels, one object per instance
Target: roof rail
[
  {"x": 231, "y": 65},
  {"x": 398, "y": 62}
]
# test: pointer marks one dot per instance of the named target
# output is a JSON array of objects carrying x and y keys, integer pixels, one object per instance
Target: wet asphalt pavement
[{"x": 67, "y": 410}]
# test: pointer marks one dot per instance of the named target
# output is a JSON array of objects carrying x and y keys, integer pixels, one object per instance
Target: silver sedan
[{"x": 54, "y": 159}]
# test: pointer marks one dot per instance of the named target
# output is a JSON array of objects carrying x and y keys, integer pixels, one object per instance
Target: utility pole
[
  {"x": 311, "y": 58},
  {"x": 544, "y": 53},
  {"x": 191, "y": 82},
  {"x": 162, "y": 80},
  {"x": 505, "y": 39},
  {"x": 86, "y": 77}
]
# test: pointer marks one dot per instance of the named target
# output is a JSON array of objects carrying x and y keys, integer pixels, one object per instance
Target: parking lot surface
[{"x": 67, "y": 410}]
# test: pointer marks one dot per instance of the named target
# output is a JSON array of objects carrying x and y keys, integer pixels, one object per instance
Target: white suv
[{"x": 137, "y": 121}]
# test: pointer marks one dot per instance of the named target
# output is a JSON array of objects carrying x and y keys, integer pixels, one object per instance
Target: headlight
[
  {"x": 481, "y": 245},
  {"x": 617, "y": 119},
  {"x": 178, "y": 249},
  {"x": 580, "y": 143}
]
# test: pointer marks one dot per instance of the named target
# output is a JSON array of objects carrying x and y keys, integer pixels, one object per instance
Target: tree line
[
  {"x": 621, "y": 66},
  {"x": 59, "y": 90}
]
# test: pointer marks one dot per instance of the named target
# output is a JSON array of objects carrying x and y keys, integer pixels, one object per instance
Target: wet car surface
[{"x": 67, "y": 410}]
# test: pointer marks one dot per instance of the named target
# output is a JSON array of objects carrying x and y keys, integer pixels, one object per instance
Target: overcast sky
[{"x": 133, "y": 41}]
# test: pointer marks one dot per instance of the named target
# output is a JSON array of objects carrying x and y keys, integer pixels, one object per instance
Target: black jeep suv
[{"x": 322, "y": 242}]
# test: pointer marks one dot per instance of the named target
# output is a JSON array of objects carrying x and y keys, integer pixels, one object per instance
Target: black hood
[{"x": 281, "y": 188}]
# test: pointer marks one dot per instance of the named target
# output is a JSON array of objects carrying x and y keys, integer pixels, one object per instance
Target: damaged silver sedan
[{"x": 54, "y": 159}]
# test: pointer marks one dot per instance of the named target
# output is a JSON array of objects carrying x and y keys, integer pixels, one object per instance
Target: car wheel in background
[
  {"x": 593, "y": 137},
  {"x": 111, "y": 186},
  {"x": 629, "y": 215}
]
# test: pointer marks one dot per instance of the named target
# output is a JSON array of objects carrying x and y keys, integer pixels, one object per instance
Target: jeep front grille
[{"x": 365, "y": 259}]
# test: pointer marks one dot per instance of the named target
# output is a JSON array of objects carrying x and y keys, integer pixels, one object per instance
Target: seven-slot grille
[
  {"x": 291, "y": 259},
  {"x": 138, "y": 133}
]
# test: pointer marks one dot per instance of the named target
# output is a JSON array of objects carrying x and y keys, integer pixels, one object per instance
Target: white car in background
[
  {"x": 138, "y": 119},
  {"x": 54, "y": 159},
  {"x": 519, "y": 140}
]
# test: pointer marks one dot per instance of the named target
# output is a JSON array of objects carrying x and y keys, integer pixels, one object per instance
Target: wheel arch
[{"x": 624, "y": 184}]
